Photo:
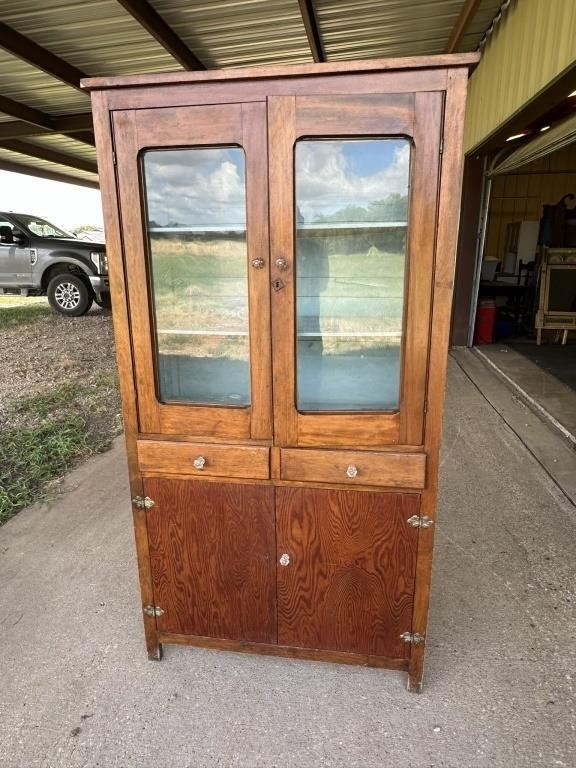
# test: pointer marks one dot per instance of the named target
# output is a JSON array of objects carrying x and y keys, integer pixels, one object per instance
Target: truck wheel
[{"x": 69, "y": 295}]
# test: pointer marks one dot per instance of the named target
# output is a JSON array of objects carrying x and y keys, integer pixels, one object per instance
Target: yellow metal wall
[
  {"x": 520, "y": 197},
  {"x": 533, "y": 43}
]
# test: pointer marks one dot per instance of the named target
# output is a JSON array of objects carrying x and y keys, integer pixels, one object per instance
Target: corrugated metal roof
[
  {"x": 97, "y": 36},
  {"x": 102, "y": 38},
  {"x": 234, "y": 33},
  {"x": 354, "y": 29}
]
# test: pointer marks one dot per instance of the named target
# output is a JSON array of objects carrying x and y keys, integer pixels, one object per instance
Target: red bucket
[{"x": 485, "y": 319}]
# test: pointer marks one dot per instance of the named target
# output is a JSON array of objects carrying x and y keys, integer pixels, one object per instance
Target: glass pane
[
  {"x": 351, "y": 223},
  {"x": 196, "y": 220}
]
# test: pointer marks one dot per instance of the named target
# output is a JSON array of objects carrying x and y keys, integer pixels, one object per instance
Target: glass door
[
  {"x": 193, "y": 193},
  {"x": 353, "y": 217}
]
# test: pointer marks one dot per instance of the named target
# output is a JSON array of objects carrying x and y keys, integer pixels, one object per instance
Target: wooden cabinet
[{"x": 281, "y": 246}]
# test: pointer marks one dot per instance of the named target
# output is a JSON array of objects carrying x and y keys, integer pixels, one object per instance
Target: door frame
[
  {"x": 418, "y": 117},
  {"x": 203, "y": 126}
]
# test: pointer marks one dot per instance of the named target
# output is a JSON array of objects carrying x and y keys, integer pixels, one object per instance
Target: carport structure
[{"x": 45, "y": 50}]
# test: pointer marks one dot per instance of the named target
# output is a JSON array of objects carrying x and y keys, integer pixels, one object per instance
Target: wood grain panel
[
  {"x": 428, "y": 65},
  {"x": 266, "y": 649},
  {"x": 355, "y": 114},
  {"x": 400, "y": 470},
  {"x": 171, "y": 457},
  {"x": 212, "y": 125},
  {"x": 366, "y": 429},
  {"x": 350, "y": 582},
  {"x": 211, "y": 554},
  {"x": 259, "y": 90}
]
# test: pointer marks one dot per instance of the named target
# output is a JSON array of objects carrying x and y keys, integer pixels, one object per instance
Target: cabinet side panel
[
  {"x": 120, "y": 318},
  {"x": 347, "y": 582},
  {"x": 211, "y": 554},
  {"x": 448, "y": 215}
]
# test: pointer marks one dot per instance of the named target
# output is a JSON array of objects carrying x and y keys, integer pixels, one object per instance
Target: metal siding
[{"x": 533, "y": 43}]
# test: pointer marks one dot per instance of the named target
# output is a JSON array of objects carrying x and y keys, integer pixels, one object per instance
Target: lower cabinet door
[
  {"x": 212, "y": 558},
  {"x": 346, "y": 568}
]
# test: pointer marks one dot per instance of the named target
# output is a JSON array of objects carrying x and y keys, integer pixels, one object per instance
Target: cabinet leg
[
  {"x": 414, "y": 683},
  {"x": 155, "y": 652}
]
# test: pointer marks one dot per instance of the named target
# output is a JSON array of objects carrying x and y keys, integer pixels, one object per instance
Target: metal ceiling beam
[
  {"x": 50, "y": 155},
  {"x": 23, "y": 112},
  {"x": 312, "y": 30},
  {"x": 32, "y": 122},
  {"x": 6, "y": 165},
  {"x": 153, "y": 23},
  {"x": 32, "y": 53},
  {"x": 466, "y": 15}
]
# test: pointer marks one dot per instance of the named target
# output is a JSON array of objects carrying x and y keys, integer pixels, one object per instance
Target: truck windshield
[{"x": 42, "y": 228}]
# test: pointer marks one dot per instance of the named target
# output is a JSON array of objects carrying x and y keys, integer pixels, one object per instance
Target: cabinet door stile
[
  {"x": 255, "y": 141},
  {"x": 281, "y": 135},
  {"x": 421, "y": 249}
]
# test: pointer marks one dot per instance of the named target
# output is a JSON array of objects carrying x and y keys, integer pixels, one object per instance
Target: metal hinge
[
  {"x": 441, "y": 146},
  {"x": 425, "y": 406},
  {"x": 153, "y": 610},
  {"x": 414, "y": 638},
  {"x": 420, "y": 522},
  {"x": 114, "y": 158},
  {"x": 142, "y": 503}
]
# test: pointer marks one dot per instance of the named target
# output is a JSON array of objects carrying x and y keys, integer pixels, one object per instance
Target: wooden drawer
[
  {"x": 397, "y": 470},
  {"x": 177, "y": 458}
]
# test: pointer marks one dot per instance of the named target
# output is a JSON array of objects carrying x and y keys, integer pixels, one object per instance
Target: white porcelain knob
[
  {"x": 199, "y": 462},
  {"x": 351, "y": 470}
]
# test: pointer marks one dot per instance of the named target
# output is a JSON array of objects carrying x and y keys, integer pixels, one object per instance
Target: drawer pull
[
  {"x": 352, "y": 470},
  {"x": 285, "y": 559},
  {"x": 199, "y": 462}
]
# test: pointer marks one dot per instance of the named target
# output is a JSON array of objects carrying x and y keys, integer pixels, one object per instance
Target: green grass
[
  {"x": 51, "y": 432},
  {"x": 30, "y": 457},
  {"x": 12, "y": 316},
  {"x": 43, "y": 404}
]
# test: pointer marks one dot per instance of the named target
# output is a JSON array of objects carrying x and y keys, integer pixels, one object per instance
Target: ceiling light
[
  {"x": 572, "y": 94},
  {"x": 544, "y": 128},
  {"x": 516, "y": 136}
]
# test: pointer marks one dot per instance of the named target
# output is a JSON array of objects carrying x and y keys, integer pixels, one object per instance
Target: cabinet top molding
[{"x": 445, "y": 61}]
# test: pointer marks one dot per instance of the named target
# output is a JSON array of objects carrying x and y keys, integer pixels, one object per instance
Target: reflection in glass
[
  {"x": 196, "y": 221},
  {"x": 351, "y": 223}
]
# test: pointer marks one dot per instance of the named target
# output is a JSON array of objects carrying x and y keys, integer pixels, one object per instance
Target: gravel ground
[{"x": 53, "y": 350}]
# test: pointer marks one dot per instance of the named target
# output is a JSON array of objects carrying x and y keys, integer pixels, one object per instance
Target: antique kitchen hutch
[{"x": 281, "y": 251}]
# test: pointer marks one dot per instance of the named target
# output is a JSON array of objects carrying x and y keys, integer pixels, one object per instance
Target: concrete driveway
[{"x": 77, "y": 690}]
